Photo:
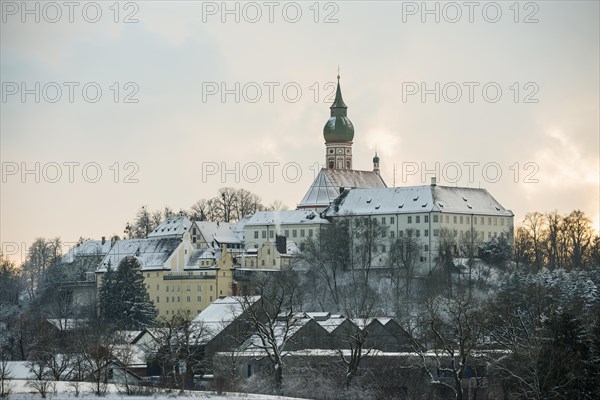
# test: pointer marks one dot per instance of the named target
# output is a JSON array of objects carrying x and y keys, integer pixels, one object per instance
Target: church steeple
[
  {"x": 338, "y": 108},
  {"x": 338, "y": 134},
  {"x": 376, "y": 163}
]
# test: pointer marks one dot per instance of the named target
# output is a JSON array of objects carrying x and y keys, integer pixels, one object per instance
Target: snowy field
[{"x": 64, "y": 390}]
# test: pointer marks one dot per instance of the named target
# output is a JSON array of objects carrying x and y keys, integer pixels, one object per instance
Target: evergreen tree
[
  {"x": 124, "y": 300},
  {"x": 496, "y": 251},
  {"x": 564, "y": 369},
  {"x": 106, "y": 295}
]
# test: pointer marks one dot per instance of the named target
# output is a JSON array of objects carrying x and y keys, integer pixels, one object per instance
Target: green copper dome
[{"x": 338, "y": 128}]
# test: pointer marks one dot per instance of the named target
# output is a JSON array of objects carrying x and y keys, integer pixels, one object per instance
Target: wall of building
[
  {"x": 257, "y": 235},
  {"x": 426, "y": 228}
]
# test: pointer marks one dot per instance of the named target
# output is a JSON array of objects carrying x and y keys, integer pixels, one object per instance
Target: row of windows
[
  {"x": 384, "y": 248},
  {"x": 177, "y": 288},
  {"x": 286, "y": 233},
  {"x": 188, "y": 299},
  {"x": 262, "y": 262},
  {"x": 457, "y": 219},
  {"x": 410, "y": 219},
  {"x": 460, "y": 219},
  {"x": 179, "y": 311}
]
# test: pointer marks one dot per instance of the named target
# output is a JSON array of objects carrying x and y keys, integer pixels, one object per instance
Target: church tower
[
  {"x": 338, "y": 133},
  {"x": 376, "y": 164}
]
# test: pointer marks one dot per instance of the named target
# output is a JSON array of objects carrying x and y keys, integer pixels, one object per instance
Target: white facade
[
  {"x": 426, "y": 211},
  {"x": 295, "y": 225}
]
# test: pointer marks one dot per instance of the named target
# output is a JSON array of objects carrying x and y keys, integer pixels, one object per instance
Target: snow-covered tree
[
  {"x": 124, "y": 300},
  {"x": 496, "y": 251},
  {"x": 107, "y": 294}
]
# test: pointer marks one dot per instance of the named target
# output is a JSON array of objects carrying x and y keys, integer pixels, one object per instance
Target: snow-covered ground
[{"x": 64, "y": 390}]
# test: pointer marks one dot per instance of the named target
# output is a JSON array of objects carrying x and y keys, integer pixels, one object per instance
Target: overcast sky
[{"x": 493, "y": 95}]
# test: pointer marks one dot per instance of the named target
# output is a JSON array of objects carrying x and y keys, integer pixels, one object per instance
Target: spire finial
[{"x": 338, "y": 74}]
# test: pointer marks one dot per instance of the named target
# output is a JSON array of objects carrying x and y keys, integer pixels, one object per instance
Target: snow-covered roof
[
  {"x": 66, "y": 324},
  {"x": 416, "y": 199},
  {"x": 221, "y": 313},
  {"x": 130, "y": 354},
  {"x": 227, "y": 239},
  {"x": 87, "y": 249},
  {"x": 127, "y": 336},
  {"x": 287, "y": 217},
  {"x": 461, "y": 200},
  {"x": 172, "y": 227},
  {"x": 200, "y": 254},
  {"x": 331, "y": 323},
  {"x": 224, "y": 232},
  {"x": 326, "y": 186},
  {"x": 291, "y": 248},
  {"x": 152, "y": 253},
  {"x": 279, "y": 327}
]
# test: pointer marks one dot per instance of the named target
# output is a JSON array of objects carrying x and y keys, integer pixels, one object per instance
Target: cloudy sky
[{"x": 109, "y": 107}]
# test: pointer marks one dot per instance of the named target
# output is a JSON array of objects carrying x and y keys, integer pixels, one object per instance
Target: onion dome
[{"x": 338, "y": 128}]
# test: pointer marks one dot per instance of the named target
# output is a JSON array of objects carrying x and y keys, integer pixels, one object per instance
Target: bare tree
[
  {"x": 97, "y": 345},
  {"x": 535, "y": 224},
  {"x": 143, "y": 224},
  {"x": 205, "y": 210},
  {"x": 276, "y": 205},
  {"x": 522, "y": 248},
  {"x": 273, "y": 316},
  {"x": 453, "y": 332},
  {"x": 11, "y": 282},
  {"x": 579, "y": 230},
  {"x": 41, "y": 255},
  {"x": 328, "y": 255},
  {"x": 356, "y": 339},
  {"x": 554, "y": 238},
  {"x": 246, "y": 203},
  {"x": 468, "y": 245},
  {"x": 447, "y": 250},
  {"x": 5, "y": 375},
  {"x": 402, "y": 260},
  {"x": 180, "y": 350},
  {"x": 41, "y": 382},
  {"x": 225, "y": 203}
]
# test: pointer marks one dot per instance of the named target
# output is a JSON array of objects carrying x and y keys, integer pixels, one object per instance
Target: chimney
[
  {"x": 281, "y": 244},
  {"x": 433, "y": 182},
  {"x": 103, "y": 239}
]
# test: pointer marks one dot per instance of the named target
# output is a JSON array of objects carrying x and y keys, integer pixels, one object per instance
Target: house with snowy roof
[
  {"x": 180, "y": 278},
  {"x": 425, "y": 213},
  {"x": 223, "y": 323},
  {"x": 213, "y": 234},
  {"x": 172, "y": 227},
  {"x": 293, "y": 225},
  {"x": 78, "y": 266},
  {"x": 184, "y": 279}
]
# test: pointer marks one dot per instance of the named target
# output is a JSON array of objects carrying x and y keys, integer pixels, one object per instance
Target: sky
[{"x": 107, "y": 106}]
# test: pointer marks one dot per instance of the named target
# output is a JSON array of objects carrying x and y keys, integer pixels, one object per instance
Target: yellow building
[{"x": 182, "y": 279}]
